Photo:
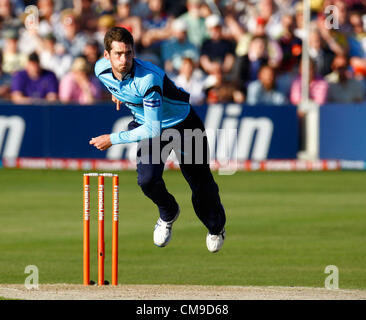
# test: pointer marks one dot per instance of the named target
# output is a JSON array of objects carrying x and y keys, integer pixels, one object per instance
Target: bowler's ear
[{"x": 106, "y": 54}]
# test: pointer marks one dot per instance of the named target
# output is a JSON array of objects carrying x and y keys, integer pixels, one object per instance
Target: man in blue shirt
[
  {"x": 263, "y": 90},
  {"x": 163, "y": 121}
]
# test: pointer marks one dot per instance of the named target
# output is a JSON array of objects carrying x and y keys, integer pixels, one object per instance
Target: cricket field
[{"x": 283, "y": 230}]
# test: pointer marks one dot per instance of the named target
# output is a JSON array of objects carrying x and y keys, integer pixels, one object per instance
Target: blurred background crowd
[{"x": 242, "y": 51}]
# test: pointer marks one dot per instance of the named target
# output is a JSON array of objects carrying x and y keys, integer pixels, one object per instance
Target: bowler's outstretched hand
[{"x": 102, "y": 142}]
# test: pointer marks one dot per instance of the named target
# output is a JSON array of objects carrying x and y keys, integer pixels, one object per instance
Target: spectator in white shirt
[
  {"x": 53, "y": 59},
  {"x": 191, "y": 79}
]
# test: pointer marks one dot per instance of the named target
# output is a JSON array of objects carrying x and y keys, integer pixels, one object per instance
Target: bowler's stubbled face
[{"x": 121, "y": 57}]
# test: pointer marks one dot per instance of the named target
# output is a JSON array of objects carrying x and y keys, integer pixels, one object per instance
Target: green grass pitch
[{"x": 283, "y": 229}]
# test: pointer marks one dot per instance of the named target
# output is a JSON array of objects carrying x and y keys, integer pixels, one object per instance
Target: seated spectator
[
  {"x": 244, "y": 41},
  {"x": 175, "y": 49},
  {"x": 318, "y": 88},
  {"x": 70, "y": 37},
  {"x": 105, "y": 22},
  {"x": 291, "y": 45},
  {"x": 196, "y": 30},
  {"x": 335, "y": 38},
  {"x": 49, "y": 20},
  {"x": 357, "y": 38},
  {"x": 205, "y": 9},
  {"x": 342, "y": 87},
  {"x": 220, "y": 90},
  {"x": 157, "y": 20},
  {"x": 216, "y": 49},
  {"x": 251, "y": 63},
  {"x": 263, "y": 91},
  {"x": 333, "y": 41},
  {"x": 356, "y": 5},
  {"x": 344, "y": 25},
  {"x": 29, "y": 37},
  {"x": 5, "y": 82},
  {"x": 357, "y": 43},
  {"x": 53, "y": 59},
  {"x": 86, "y": 15},
  {"x": 320, "y": 53},
  {"x": 156, "y": 28},
  {"x": 79, "y": 85},
  {"x": 8, "y": 15},
  {"x": 34, "y": 84},
  {"x": 125, "y": 19},
  {"x": 92, "y": 52},
  {"x": 61, "y": 5},
  {"x": 13, "y": 59},
  {"x": 191, "y": 79},
  {"x": 140, "y": 8},
  {"x": 104, "y": 6},
  {"x": 268, "y": 14}
]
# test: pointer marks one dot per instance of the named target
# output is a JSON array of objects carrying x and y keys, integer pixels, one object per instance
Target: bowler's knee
[{"x": 147, "y": 181}]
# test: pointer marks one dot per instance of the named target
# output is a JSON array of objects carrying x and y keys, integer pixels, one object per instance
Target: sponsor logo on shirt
[{"x": 113, "y": 89}]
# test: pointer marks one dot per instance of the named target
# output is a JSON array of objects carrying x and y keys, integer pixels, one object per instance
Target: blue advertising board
[
  {"x": 342, "y": 132},
  {"x": 63, "y": 131}
]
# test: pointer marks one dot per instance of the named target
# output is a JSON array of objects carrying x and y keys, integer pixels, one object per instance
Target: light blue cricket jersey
[{"x": 154, "y": 100}]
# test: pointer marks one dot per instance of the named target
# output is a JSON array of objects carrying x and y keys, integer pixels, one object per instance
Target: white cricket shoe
[
  {"x": 214, "y": 242},
  {"x": 163, "y": 231}
]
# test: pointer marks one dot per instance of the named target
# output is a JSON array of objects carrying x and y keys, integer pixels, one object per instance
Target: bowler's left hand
[{"x": 102, "y": 142}]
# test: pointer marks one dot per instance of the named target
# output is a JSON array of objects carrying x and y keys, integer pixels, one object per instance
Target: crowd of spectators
[{"x": 242, "y": 51}]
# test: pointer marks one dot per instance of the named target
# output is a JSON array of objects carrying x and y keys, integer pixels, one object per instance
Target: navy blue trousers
[{"x": 194, "y": 165}]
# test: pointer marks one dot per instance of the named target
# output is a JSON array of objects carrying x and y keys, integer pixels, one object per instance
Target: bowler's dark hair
[{"x": 117, "y": 34}]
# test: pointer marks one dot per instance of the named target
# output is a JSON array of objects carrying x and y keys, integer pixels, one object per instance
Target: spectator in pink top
[
  {"x": 318, "y": 89},
  {"x": 79, "y": 85}
]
